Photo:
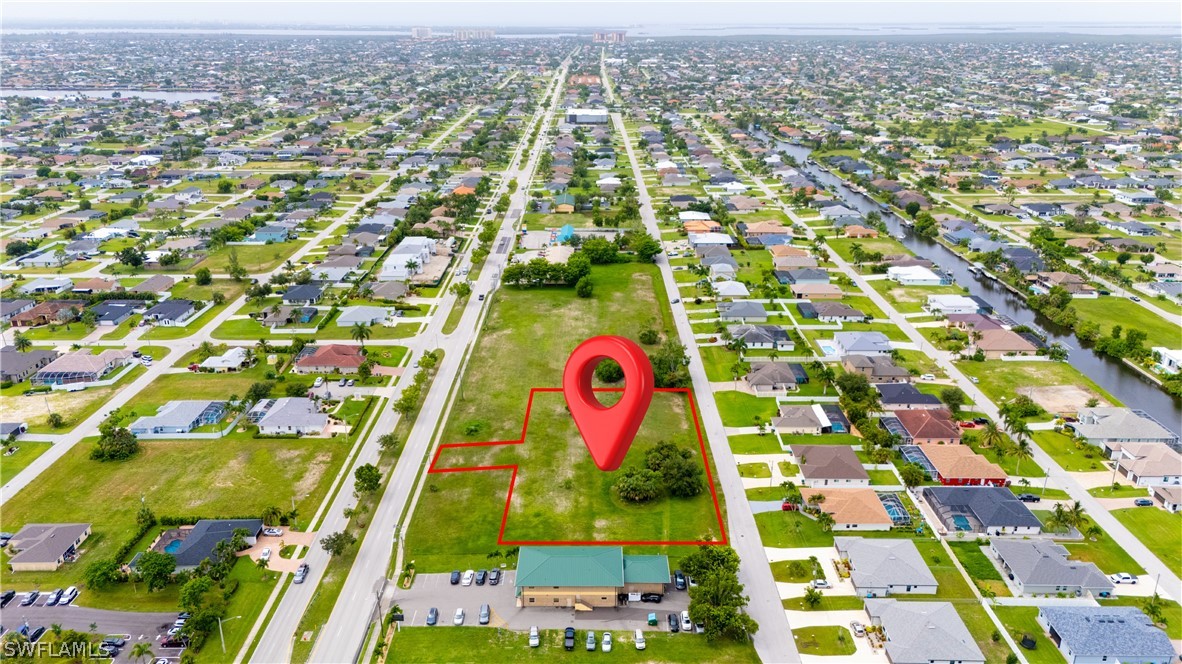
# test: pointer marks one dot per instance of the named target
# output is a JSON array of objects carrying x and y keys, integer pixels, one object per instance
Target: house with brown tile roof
[
  {"x": 851, "y": 509},
  {"x": 959, "y": 465},
  {"x": 925, "y": 426},
  {"x": 1000, "y": 342},
  {"x": 333, "y": 358},
  {"x": 830, "y": 465}
]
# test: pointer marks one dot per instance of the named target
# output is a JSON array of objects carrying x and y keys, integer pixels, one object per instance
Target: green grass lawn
[
  {"x": 253, "y": 257},
  {"x": 1104, "y": 551},
  {"x": 74, "y": 407},
  {"x": 997, "y": 455},
  {"x": 824, "y": 640},
  {"x": 739, "y": 409},
  {"x": 123, "y": 329},
  {"x": 1157, "y": 529},
  {"x": 952, "y": 583},
  {"x": 788, "y": 469},
  {"x": 1107, "y": 311},
  {"x": 1021, "y": 620},
  {"x": 26, "y": 452},
  {"x": 177, "y": 478},
  {"x": 979, "y": 568},
  {"x": 828, "y": 603},
  {"x": 1062, "y": 449},
  {"x": 782, "y": 571},
  {"x": 754, "y": 470},
  {"x": 1119, "y": 491},
  {"x": 765, "y": 493},
  {"x": 982, "y": 629},
  {"x": 70, "y": 332},
  {"x": 754, "y": 443},
  {"x": 789, "y": 530},
  {"x": 178, "y": 386},
  {"x": 460, "y": 513},
  {"x": 884, "y": 477},
  {"x": 486, "y": 645},
  {"x": 999, "y": 380}
]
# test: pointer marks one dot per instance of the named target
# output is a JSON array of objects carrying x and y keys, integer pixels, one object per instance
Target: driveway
[
  {"x": 275, "y": 544},
  {"x": 129, "y": 625},
  {"x": 864, "y": 652},
  {"x": 435, "y": 590}
]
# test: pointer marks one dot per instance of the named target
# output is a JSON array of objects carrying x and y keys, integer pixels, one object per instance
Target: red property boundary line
[{"x": 513, "y": 480}]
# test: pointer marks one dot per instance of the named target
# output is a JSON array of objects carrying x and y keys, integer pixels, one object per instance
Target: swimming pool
[
  {"x": 961, "y": 522},
  {"x": 172, "y": 546},
  {"x": 826, "y": 347}
]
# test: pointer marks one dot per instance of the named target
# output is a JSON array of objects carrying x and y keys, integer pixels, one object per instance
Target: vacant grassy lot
[
  {"x": 790, "y": 530},
  {"x": 1062, "y": 449},
  {"x": 755, "y": 444},
  {"x": 502, "y": 646},
  {"x": 952, "y": 582},
  {"x": 824, "y": 640},
  {"x": 559, "y": 493},
  {"x": 1000, "y": 380},
  {"x": 1157, "y": 529},
  {"x": 26, "y": 452},
  {"x": 979, "y": 568},
  {"x": 1110, "y": 311},
  {"x": 828, "y": 603},
  {"x": 1170, "y": 609},
  {"x": 253, "y": 257},
  {"x": 178, "y": 478},
  {"x": 739, "y": 409},
  {"x": 1102, "y": 550},
  {"x": 982, "y": 628},
  {"x": 782, "y": 571},
  {"x": 248, "y": 601},
  {"x": 754, "y": 470},
  {"x": 1022, "y": 620}
]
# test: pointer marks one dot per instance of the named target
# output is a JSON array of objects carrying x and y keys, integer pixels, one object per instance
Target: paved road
[
  {"x": 127, "y": 625},
  {"x": 1171, "y": 586},
  {"x": 771, "y": 641},
  {"x": 341, "y": 638}
]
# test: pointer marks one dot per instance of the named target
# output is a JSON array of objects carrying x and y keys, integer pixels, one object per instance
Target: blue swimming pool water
[
  {"x": 961, "y": 522},
  {"x": 172, "y": 546}
]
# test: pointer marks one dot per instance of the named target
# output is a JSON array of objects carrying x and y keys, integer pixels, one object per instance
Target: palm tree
[
  {"x": 1076, "y": 516},
  {"x": 991, "y": 435},
  {"x": 205, "y": 349},
  {"x": 261, "y": 564},
  {"x": 773, "y": 354},
  {"x": 826, "y": 376},
  {"x": 272, "y": 515},
  {"x": 263, "y": 347},
  {"x": 21, "y": 342},
  {"x": 1021, "y": 450},
  {"x": 360, "y": 332},
  {"x": 142, "y": 650}
]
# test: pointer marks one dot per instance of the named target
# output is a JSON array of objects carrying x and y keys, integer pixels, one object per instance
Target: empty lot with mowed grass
[
  {"x": 205, "y": 478},
  {"x": 559, "y": 494}
]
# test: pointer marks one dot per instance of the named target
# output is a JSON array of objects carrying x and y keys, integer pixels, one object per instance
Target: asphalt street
[{"x": 127, "y": 625}]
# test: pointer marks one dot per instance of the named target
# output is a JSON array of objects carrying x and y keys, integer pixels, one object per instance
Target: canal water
[{"x": 1119, "y": 379}]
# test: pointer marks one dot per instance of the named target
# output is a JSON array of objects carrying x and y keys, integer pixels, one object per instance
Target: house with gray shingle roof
[
  {"x": 883, "y": 567},
  {"x": 179, "y": 417},
  {"x": 1086, "y": 634},
  {"x": 923, "y": 632},
  {"x": 1040, "y": 567},
  {"x": 742, "y": 310}
]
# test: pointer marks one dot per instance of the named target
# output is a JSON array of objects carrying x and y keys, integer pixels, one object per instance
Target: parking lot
[
  {"x": 128, "y": 625},
  {"x": 435, "y": 590}
]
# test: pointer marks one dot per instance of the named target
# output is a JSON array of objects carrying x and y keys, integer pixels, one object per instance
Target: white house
[
  {"x": 913, "y": 275},
  {"x": 1171, "y": 360},
  {"x": 945, "y": 305},
  {"x": 1136, "y": 197},
  {"x": 407, "y": 259}
]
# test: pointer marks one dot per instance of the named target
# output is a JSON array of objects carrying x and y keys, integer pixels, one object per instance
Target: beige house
[{"x": 44, "y": 547}]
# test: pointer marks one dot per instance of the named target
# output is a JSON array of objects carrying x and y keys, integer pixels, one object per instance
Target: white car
[
  {"x": 265, "y": 555},
  {"x": 535, "y": 639},
  {"x": 468, "y": 576},
  {"x": 820, "y": 584},
  {"x": 928, "y": 377},
  {"x": 1122, "y": 577},
  {"x": 459, "y": 619},
  {"x": 273, "y": 532},
  {"x": 687, "y": 626},
  {"x": 318, "y": 382},
  {"x": 638, "y": 637},
  {"x": 607, "y": 642}
]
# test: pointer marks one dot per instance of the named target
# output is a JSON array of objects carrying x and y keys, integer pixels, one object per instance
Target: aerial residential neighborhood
[{"x": 286, "y": 312}]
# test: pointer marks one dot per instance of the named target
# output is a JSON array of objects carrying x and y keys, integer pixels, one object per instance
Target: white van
[
  {"x": 686, "y": 625},
  {"x": 638, "y": 637}
]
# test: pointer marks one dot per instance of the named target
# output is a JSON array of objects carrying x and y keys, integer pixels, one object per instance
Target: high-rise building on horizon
[
  {"x": 610, "y": 37},
  {"x": 420, "y": 33},
  {"x": 465, "y": 34}
]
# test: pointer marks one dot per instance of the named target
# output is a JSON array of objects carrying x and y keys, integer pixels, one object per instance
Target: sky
[{"x": 600, "y": 13}]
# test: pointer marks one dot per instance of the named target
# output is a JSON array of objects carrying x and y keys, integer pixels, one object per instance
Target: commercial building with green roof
[{"x": 585, "y": 577}]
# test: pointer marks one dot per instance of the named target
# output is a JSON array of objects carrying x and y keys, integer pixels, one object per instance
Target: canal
[{"x": 1117, "y": 378}]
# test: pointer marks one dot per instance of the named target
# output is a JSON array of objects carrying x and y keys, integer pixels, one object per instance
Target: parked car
[
  {"x": 481, "y": 577},
  {"x": 638, "y": 639},
  {"x": 6, "y": 597},
  {"x": 568, "y": 638},
  {"x": 273, "y": 532},
  {"x": 674, "y": 624},
  {"x": 974, "y": 380},
  {"x": 266, "y": 554},
  {"x": 1122, "y": 577},
  {"x": 679, "y": 579},
  {"x": 432, "y": 617},
  {"x": 820, "y": 584},
  {"x": 485, "y": 614},
  {"x": 114, "y": 642},
  {"x": 469, "y": 576},
  {"x": 30, "y": 597},
  {"x": 35, "y": 635},
  {"x": 590, "y": 641},
  {"x": 857, "y": 628},
  {"x": 607, "y": 642},
  {"x": 981, "y": 420},
  {"x": 318, "y": 382},
  {"x": 1029, "y": 498},
  {"x": 968, "y": 425},
  {"x": 699, "y": 628},
  {"x": 343, "y": 382},
  {"x": 68, "y": 596},
  {"x": 455, "y": 577},
  {"x": 459, "y": 618},
  {"x": 1143, "y": 502},
  {"x": 351, "y": 383},
  {"x": 928, "y": 376},
  {"x": 655, "y": 598},
  {"x": 53, "y": 597},
  {"x": 494, "y": 577},
  {"x": 686, "y": 624},
  {"x": 535, "y": 639}
]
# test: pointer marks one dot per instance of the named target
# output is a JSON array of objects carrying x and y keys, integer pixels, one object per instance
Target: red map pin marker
[{"x": 608, "y": 431}]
